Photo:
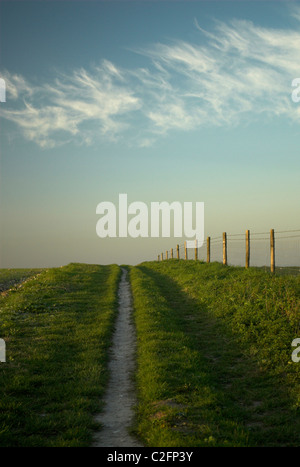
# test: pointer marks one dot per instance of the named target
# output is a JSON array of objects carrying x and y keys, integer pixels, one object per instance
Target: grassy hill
[
  {"x": 57, "y": 328},
  {"x": 214, "y": 355},
  {"x": 214, "y": 363}
]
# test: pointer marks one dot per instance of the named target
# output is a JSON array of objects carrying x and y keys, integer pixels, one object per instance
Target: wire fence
[{"x": 259, "y": 249}]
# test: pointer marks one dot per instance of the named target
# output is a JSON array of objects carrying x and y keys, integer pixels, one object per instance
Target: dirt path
[{"x": 120, "y": 397}]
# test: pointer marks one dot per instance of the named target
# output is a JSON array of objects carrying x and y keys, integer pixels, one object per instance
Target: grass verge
[
  {"x": 11, "y": 278},
  {"x": 57, "y": 330},
  {"x": 214, "y": 355}
]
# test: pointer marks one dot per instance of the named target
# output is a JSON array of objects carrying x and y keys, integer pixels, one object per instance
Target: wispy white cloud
[
  {"x": 16, "y": 85},
  {"x": 237, "y": 72},
  {"x": 50, "y": 114}
]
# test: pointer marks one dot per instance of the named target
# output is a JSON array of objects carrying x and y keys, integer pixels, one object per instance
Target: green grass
[
  {"x": 57, "y": 329},
  {"x": 214, "y": 355},
  {"x": 10, "y": 278},
  {"x": 214, "y": 351},
  {"x": 285, "y": 270}
]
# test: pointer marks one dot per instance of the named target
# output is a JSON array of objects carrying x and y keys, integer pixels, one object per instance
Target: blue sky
[{"x": 164, "y": 101}]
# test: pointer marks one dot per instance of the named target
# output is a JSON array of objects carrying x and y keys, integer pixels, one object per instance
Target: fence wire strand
[{"x": 236, "y": 249}]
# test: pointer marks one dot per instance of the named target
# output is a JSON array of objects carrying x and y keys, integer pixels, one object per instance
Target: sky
[{"x": 187, "y": 101}]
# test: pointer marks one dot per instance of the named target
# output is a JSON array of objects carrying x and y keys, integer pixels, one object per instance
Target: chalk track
[{"x": 117, "y": 416}]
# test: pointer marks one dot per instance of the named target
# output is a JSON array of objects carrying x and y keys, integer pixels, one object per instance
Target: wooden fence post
[
  {"x": 272, "y": 246},
  {"x": 177, "y": 249},
  {"x": 224, "y": 248},
  {"x": 167, "y": 254},
  {"x": 247, "y": 263},
  {"x": 172, "y": 253},
  {"x": 162, "y": 256},
  {"x": 185, "y": 251},
  {"x": 196, "y": 250},
  {"x": 208, "y": 250}
]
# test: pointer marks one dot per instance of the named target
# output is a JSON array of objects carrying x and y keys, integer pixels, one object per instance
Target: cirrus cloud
[{"x": 238, "y": 72}]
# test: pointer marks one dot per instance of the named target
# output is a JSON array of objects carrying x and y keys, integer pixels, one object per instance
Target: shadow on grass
[
  {"x": 59, "y": 330},
  {"x": 241, "y": 397}
]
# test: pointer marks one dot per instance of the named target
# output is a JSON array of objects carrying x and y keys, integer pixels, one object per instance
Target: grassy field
[
  {"x": 214, "y": 355},
  {"x": 10, "y": 278},
  {"x": 214, "y": 363},
  {"x": 57, "y": 329}
]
